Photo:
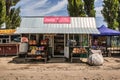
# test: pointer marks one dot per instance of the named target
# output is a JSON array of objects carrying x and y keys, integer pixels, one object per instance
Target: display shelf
[
  {"x": 78, "y": 52},
  {"x": 58, "y": 40},
  {"x": 59, "y": 44},
  {"x": 32, "y": 45},
  {"x": 30, "y": 56},
  {"x": 38, "y": 52}
]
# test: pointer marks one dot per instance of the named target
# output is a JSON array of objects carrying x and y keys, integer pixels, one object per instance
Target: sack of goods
[{"x": 95, "y": 59}]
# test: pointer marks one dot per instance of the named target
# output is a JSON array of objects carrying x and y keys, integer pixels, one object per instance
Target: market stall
[
  {"x": 9, "y": 42},
  {"x": 61, "y": 31},
  {"x": 108, "y": 40},
  {"x": 34, "y": 46}
]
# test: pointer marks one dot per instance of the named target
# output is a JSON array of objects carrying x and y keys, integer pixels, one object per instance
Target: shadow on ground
[{"x": 22, "y": 60}]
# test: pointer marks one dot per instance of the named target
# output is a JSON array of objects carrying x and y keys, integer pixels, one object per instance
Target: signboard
[
  {"x": 53, "y": 19},
  {"x": 7, "y": 31}
]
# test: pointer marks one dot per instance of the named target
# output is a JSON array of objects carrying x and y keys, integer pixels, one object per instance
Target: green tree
[
  {"x": 89, "y": 8},
  {"x": 12, "y": 15},
  {"x": 110, "y": 13},
  {"x": 10, "y": 3},
  {"x": 118, "y": 19},
  {"x": 76, "y": 8},
  {"x": 2, "y": 11},
  {"x": 13, "y": 19}
]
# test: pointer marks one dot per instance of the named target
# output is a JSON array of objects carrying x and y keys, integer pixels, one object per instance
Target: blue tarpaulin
[{"x": 104, "y": 31}]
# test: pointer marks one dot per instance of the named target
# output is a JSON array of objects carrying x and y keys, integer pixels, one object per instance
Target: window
[
  {"x": 85, "y": 40},
  {"x": 78, "y": 40},
  {"x": 15, "y": 38},
  {"x": 4, "y": 39}
]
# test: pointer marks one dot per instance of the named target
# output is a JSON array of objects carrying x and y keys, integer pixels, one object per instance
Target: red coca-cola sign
[{"x": 53, "y": 19}]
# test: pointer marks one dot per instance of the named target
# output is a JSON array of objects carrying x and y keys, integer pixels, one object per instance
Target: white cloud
[
  {"x": 57, "y": 7},
  {"x": 38, "y": 7},
  {"x": 34, "y": 5},
  {"x": 21, "y": 2},
  {"x": 98, "y": 0}
]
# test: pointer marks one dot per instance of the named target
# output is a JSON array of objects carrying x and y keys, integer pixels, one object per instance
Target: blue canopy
[{"x": 104, "y": 31}]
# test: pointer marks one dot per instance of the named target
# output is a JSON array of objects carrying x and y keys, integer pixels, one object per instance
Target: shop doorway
[{"x": 58, "y": 45}]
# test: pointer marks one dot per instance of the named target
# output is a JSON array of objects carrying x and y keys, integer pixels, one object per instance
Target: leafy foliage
[
  {"x": 13, "y": 19},
  {"x": 89, "y": 8},
  {"x": 76, "y": 8},
  {"x": 12, "y": 15},
  {"x": 110, "y": 12},
  {"x": 118, "y": 18},
  {"x": 9, "y": 16},
  {"x": 2, "y": 12}
]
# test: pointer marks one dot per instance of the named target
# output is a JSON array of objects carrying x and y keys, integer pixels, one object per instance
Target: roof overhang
[{"x": 78, "y": 25}]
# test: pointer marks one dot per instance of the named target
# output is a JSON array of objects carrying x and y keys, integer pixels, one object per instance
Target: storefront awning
[
  {"x": 105, "y": 31},
  {"x": 77, "y": 25},
  {"x": 7, "y": 31}
]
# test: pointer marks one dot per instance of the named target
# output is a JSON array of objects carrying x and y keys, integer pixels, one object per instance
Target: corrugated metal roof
[{"x": 78, "y": 25}]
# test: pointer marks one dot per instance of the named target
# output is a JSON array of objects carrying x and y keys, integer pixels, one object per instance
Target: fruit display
[
  {"x": 38, "y": 57},
  {"x": 33, "y": 51},
  {"x": 37, "y": 50},
  {"x": 32, "y": 47},
  {"x": 79, "y": 50},
  {"x": 41, "y": 48},
  {"x": 83, "y": 50},
  {"x": 32, "y": 42},
  {"x": 76, "y": 50},
  {"x": 43, "y": 42}
]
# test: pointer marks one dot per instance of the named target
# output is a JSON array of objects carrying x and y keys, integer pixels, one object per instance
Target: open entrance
[{"x": 59, "y": 45}]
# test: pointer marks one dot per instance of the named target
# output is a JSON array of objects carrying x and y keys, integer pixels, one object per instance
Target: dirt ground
[{"x": 10, "y": 70}]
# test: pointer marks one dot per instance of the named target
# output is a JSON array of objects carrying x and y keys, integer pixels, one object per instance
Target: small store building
[
  {"x": 9, "y": 42},
  {"x": 60, "y": 32}
]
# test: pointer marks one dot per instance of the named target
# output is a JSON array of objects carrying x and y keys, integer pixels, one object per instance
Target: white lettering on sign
[
  {"x": 53, "y": 19},
  {"x": 50, "y": 20},
  {"x": 64, "y": 20}
]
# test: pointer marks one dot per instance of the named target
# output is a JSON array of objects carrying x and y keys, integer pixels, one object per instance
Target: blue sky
[{"x": 53, "y": 8}]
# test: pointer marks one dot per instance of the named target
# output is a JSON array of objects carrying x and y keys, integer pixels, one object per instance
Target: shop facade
[
  {"x": 9, "y": 42},
  {"x": 58, "y": 33}
]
